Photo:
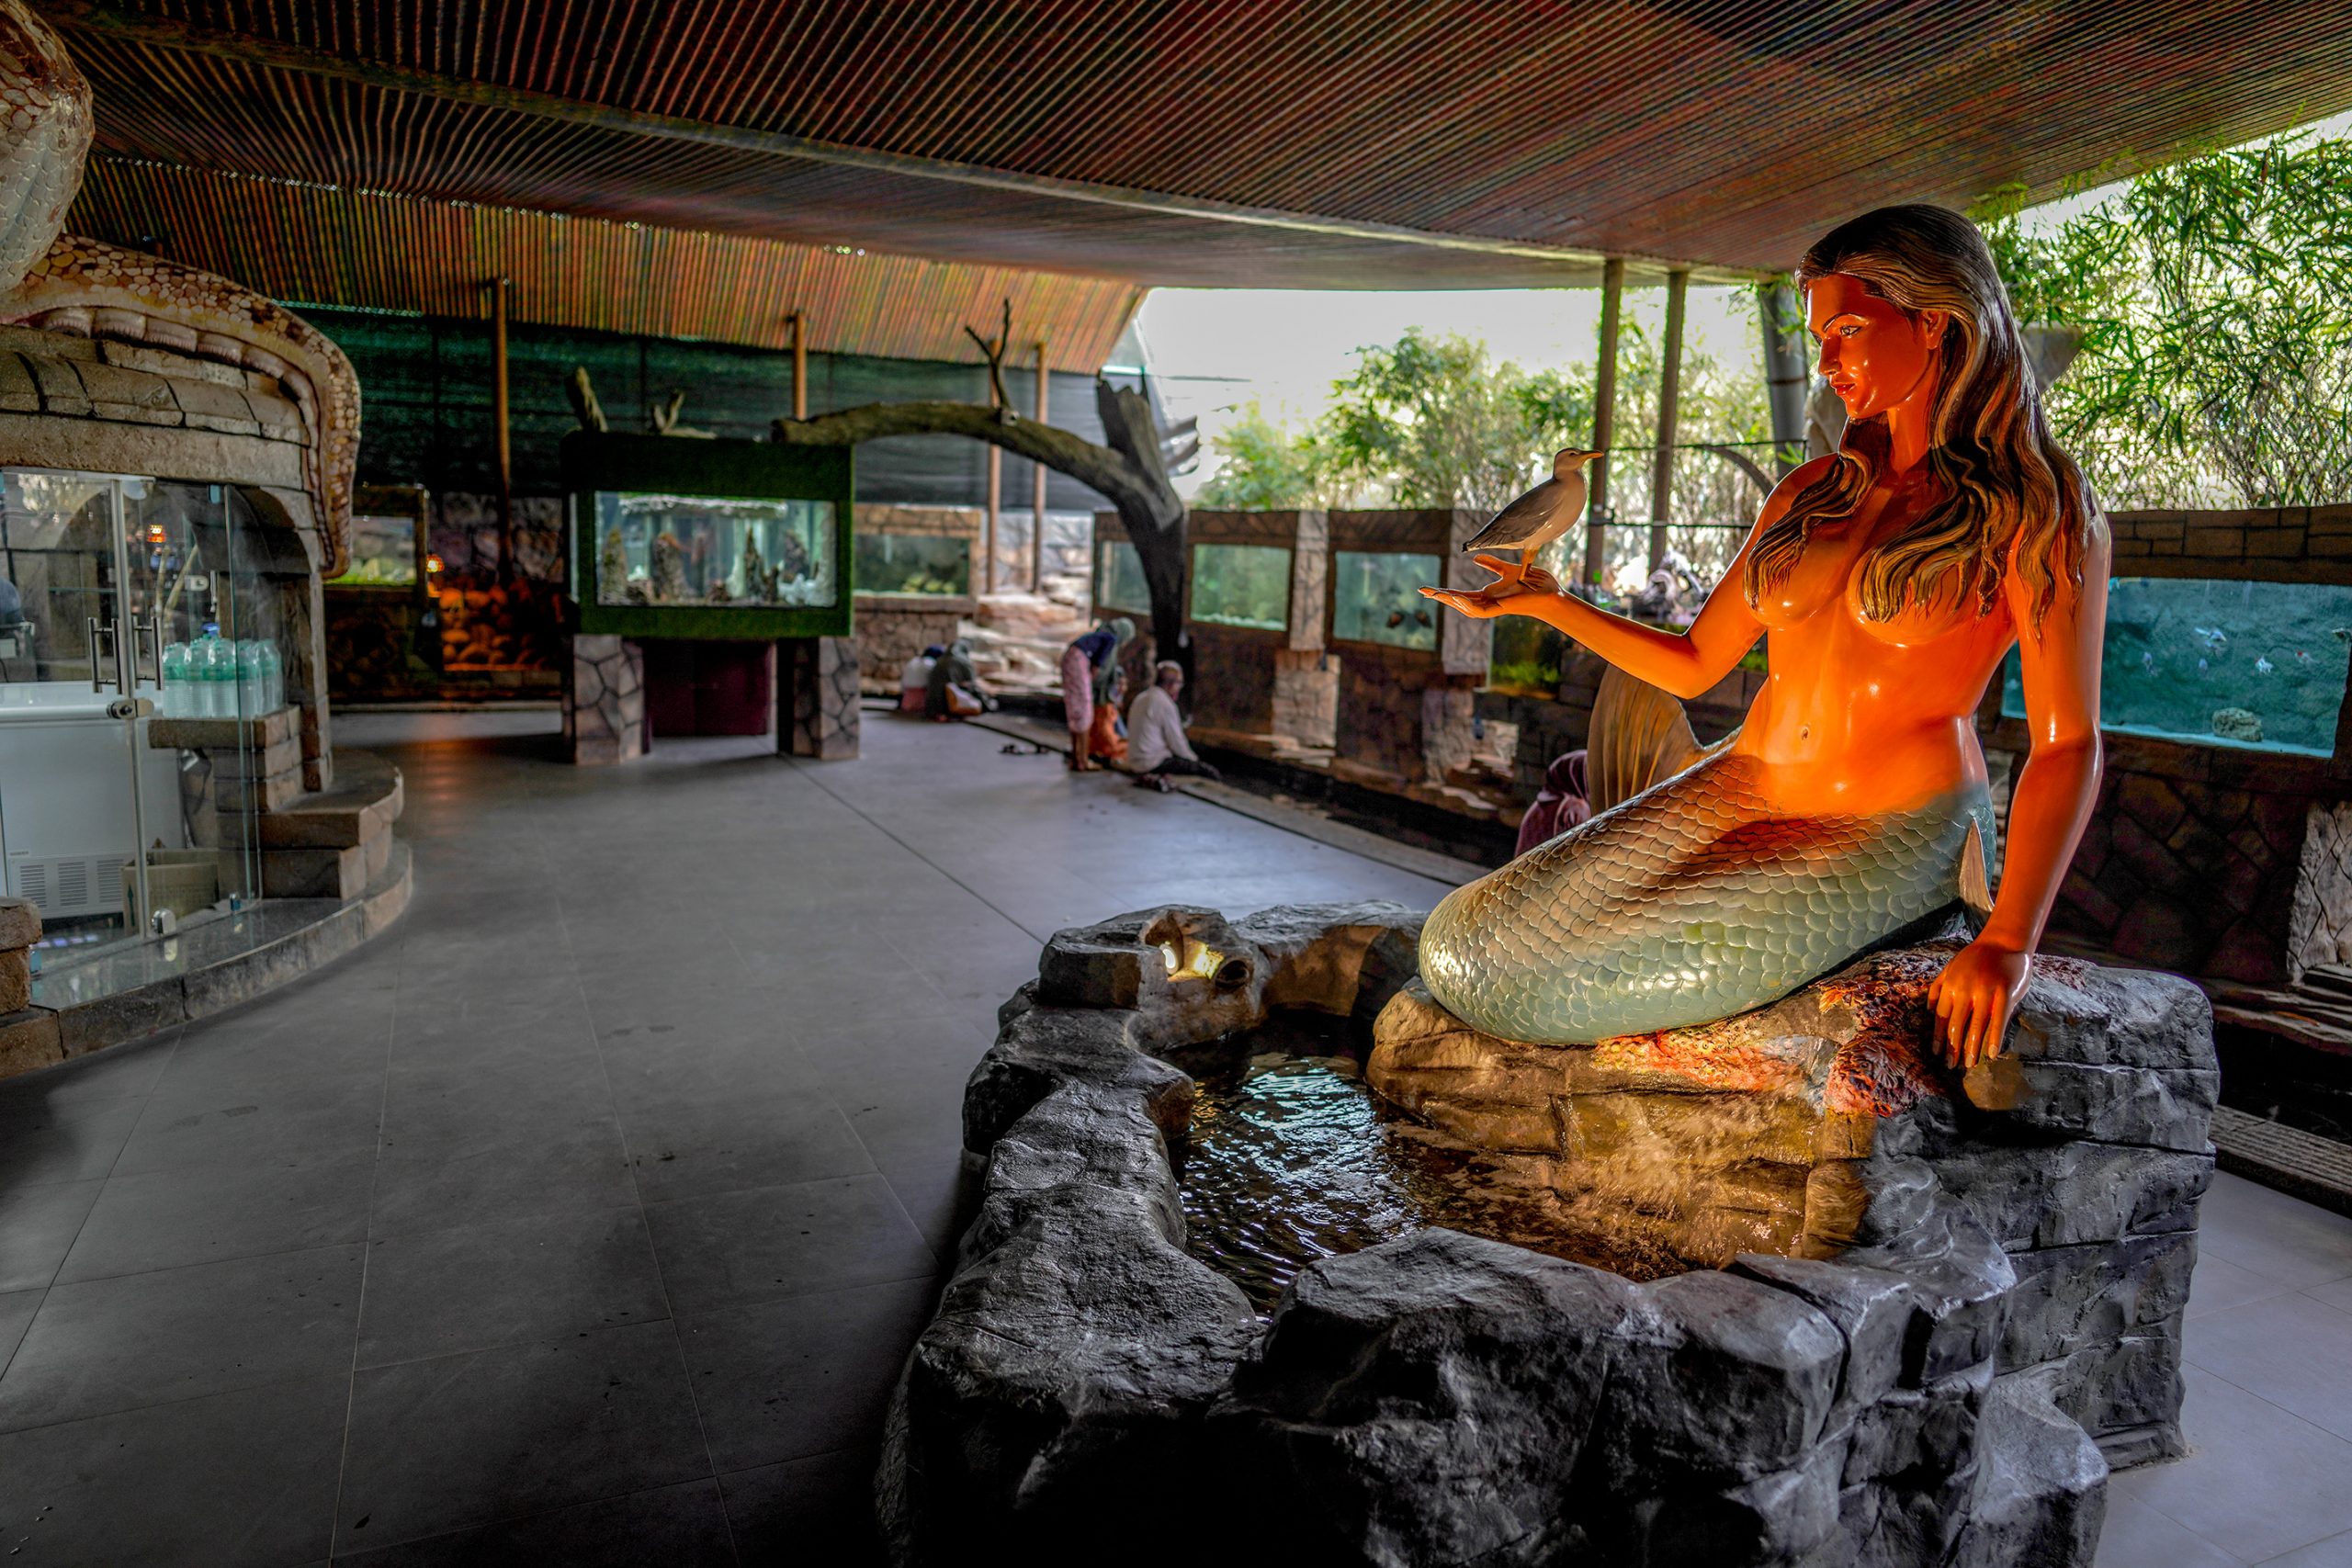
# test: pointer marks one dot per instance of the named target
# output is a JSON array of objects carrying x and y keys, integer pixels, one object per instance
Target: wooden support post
[
  {"x": 1037, "y": 504},
  {"x": 1670, "y": 409},
  {"x": 800, "y": 365},
  {"x": 1604, "y": 420},
  {"x": 988, "y": 527},
  {"x": 499, "y": 411}
]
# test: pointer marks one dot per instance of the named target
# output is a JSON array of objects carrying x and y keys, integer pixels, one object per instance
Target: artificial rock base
[{"x": 1933, "y": 1296}]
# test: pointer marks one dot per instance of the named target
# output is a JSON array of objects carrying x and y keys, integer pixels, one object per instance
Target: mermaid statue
[{"x": 1892, "y": 577}]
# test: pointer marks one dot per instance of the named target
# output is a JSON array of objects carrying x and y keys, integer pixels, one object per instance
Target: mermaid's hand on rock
[
  {"x": 1494, "y": 598},
  {"x": 1973, "y": 998}
]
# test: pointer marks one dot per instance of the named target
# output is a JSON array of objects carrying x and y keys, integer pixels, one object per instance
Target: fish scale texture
[{"x": 1689, "y": 903}]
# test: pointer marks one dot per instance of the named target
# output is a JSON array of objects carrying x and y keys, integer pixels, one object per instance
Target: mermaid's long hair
[{"x": 2008, "y": 488}]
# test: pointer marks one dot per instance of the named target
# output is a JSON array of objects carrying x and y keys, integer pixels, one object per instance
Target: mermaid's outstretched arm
[
  {"x": 1683, "y": 664},
  {"x": 2060, "y": 652}
]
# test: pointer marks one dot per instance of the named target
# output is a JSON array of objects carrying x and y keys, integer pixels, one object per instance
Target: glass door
[{"x": 128, "y": 770}]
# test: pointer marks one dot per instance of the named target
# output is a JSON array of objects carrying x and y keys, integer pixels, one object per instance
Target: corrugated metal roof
[
  {"x": 1310, "y": 143},
  {"x": 327, "y": 245}
]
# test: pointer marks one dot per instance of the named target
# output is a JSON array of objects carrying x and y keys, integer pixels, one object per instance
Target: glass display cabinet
[
  {"x": 1253, "y": 602},
  {"x": 679, "y": 537},
  {"x": 139, "y": 650}
]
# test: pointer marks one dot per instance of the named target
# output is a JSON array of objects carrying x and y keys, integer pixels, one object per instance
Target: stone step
[
  {"x": 366, "y": 800},
  {"x": 261, "y": 730}
]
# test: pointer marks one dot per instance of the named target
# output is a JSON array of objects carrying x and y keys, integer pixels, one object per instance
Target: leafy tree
[
  {"x": 2214, "y": 300},
  {"x": 1265, "y": 467}
]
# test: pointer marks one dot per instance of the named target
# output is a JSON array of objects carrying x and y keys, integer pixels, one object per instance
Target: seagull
[{"x": 1542, "y": 514}]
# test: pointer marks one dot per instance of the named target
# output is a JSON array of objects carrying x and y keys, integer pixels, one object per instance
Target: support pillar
[
  {"x": 817, "y": 712},
  {"x": 1604, "y": 421},
  {"x": 988, "y": 527},
  {"x": 499, "y": 400},
  {"x": 1038, "y": 504},
  {"x": 1669, "y": 410},
  {"x": 1781, "y": 315},
  {"x": 799, "y": 324},
  {"x": 604, "y": 700}
]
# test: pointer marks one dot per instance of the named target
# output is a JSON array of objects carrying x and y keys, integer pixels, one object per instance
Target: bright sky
[{"x": 1216, "y": 348}]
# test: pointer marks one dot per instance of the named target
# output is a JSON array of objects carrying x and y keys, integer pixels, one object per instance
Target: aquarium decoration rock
[{"x": 1911, "y": 1347}]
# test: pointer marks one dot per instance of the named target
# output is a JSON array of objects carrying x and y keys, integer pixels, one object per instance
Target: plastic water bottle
[
  {"x": 273, "y": 677},
  {"x": 216, "y": 676},
  {"x": 249, "y": 695},
  {"x": 173, "y": 697}
]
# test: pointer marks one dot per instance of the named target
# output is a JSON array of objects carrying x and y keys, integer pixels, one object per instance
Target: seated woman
[
  {"x": 956, "y": 690},
  {"x": 1894, "y": 576}
]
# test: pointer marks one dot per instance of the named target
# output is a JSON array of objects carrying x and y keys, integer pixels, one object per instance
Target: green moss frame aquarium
[
  {"x": 678, "y": 537},
  {"x": 1118, "y": 578},
  {"x": 914, "y": 565},
  {"x": 1376, "y": 597},
  {"x": 2260, "y": 665},
  {"x": 1242, "y": 585}
]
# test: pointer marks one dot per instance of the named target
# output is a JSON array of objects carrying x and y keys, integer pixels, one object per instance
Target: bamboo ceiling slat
[
  {"x": 1429, "y": 142},
  {"x": 311, "y": 243}
]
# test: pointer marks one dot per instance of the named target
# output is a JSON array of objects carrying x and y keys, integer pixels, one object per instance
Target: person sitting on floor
[
  {"x": 1157, "y": 749},
  {"x": 1559, "y": 806},
  {"x": 915, "y": 679},
  {"x": 956, "y": 690},
  {"x": 1105, "y": 741},
  {"x": 1087, "y": 664}
]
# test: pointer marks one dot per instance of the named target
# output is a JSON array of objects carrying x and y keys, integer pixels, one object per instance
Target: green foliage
[
  {"x": 1436, "y": 420},
  {"x": 2214, "y": 297}
]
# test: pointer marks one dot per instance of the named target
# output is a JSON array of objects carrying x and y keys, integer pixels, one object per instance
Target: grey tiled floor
[{"x": 586, "y": 1217}]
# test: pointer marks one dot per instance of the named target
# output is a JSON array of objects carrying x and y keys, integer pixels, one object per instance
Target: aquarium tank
[
  {"x": 1525, "y": 656},
  {"x": 2258, "y": 664},
  {"x": 715, "y": 551},
  {"x": 1241, "y": 585},
  {"x": 383, "y": 550},
  {"x": 914, "y": 563},
  {"x": 1118, "y": 577},
  {"x": 1377, "y": 598}
]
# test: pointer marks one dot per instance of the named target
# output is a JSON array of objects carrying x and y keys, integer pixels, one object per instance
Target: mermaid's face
[{"x": 1876, "y": 355}]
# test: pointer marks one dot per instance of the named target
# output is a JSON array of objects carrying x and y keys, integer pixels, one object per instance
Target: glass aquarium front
[
  {"x": 1118, "y": 577},
  {"x": 1526, "y": 656},
  {"x": 383, "y": 551},
  {"x": 936, "y": 564},
  {"x": 714, "y": 552},
  {"x": 1378, "y": 597},
  {"x": 2258, "y": 664},
  {"x": 1241, "y": 585}
]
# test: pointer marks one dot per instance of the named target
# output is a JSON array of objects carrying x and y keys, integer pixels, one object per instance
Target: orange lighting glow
[{"x": 432, "y": 566}]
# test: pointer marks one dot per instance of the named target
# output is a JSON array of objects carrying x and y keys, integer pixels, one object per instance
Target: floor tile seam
[
  {"x": 2275, "y": 1557},
  {"x": 816, "y": 775},
  {"x": 287, "y": 1381},
  {"x": 26, "y": 1333},
  {"x": 170, "y": 1054},
  {"x": 367, "y": 1257},
  {"x": 935, "y": 1275},
  {"x": 200, "y": 1263},
  {"x": 355, "y": 1554},
  {"x": 661, "y": 1275},
  {"x": 565, "y": 1337}
]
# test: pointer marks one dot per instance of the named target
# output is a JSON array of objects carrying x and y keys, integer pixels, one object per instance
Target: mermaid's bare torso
[{"x": 1841, "y": 815}]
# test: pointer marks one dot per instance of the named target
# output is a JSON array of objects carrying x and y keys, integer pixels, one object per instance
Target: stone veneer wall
[
  {"x": 892, "y": 630},
  {"x": 604, "y": 700},
  {"x": 2319, "y": 926},
  {"x": 2288, "y": 544},
  {"x": 19, "y": 929},
  {"x": 818, "y": 677}
]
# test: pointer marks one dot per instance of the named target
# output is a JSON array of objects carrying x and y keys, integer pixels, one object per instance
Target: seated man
[{"x": 1157, "y": 749}]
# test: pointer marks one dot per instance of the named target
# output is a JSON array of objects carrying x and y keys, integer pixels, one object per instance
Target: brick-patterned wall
[
  {"x": 1307, "y": 695},
  {"x": 1233, "y": 678},
  {"x": 2289, "y": 543},
  {"x": 892, "y": 631}
]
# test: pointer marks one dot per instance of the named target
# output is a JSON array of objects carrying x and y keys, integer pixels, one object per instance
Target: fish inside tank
[
  {"x": 1377, "y": 598},
  {"x": 913, "y": 563},
  {"x": 2236, "y": 663},
  {"x": 714, "y": 550}
]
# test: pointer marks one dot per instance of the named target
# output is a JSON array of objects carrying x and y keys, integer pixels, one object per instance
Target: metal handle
[
  {"x": 97, "y": 671},
  {"x": 155, "y": 630},
  {"x": 126, "y": 659}
]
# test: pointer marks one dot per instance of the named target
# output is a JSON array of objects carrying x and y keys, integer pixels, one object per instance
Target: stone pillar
[
  {"x": 817, "y": 712},
  {"x": 302, "y": 608},
  {"x": 29, "y": 1036},
  {"x": 1306, "y": 675},
  {"x": 604, "y": 700}
]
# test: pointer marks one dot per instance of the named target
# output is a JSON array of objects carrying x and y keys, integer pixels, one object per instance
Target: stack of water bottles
[{"x": 218, "y": 678}]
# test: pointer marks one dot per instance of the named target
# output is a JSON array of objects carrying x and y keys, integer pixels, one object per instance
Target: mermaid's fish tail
[{"x": 1690, "y": 902}]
